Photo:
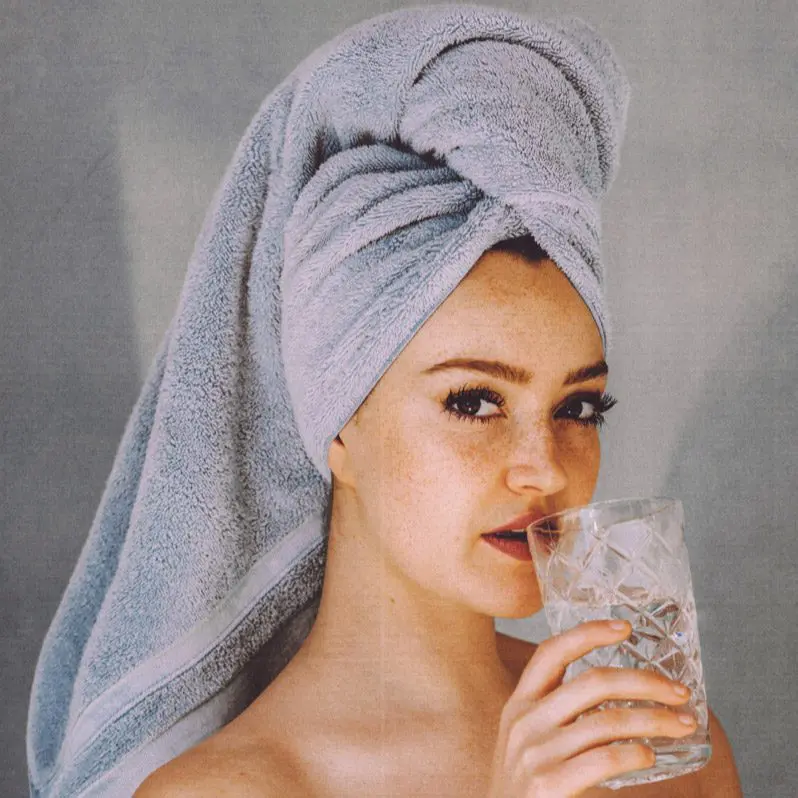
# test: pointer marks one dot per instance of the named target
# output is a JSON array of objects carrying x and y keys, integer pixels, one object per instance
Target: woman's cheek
[
  {"x": 581, "y": 458},
  {"x": 407, "y": 466}
]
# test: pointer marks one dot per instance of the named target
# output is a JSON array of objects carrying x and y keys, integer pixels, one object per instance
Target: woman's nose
[{"x": 536, "y": 465}]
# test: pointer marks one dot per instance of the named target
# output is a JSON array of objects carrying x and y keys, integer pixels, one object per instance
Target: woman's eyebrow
[
  {"x": 517, "y": 374},
  {"x": 597, "y": 369}
]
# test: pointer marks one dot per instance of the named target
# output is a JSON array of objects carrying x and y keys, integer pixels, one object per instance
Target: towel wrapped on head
[{"x": 368, "y": 184}]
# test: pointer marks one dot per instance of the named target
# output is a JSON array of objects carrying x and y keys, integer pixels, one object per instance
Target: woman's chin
[
  {"x": 516, "y": 613},
  {"x": 522, "y": 605}
]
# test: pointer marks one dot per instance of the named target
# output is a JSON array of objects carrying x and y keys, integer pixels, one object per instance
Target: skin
[{"x": 400, "y": 687}]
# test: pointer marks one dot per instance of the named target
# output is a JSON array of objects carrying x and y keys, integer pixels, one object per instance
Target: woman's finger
[
  {"x": 603, "y": 727},
  {"x": 571, "y": 778},
  {"x": 546, "y": 667},
  {"x": 596, "y": 685}
]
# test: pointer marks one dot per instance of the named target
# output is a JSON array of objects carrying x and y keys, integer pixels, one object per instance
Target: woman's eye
[
  {"x": 474, "y": 404},
  {"x": 589, "y": 410},
  {"x": 481, "y": 404},
  {"x": 580, "y": 409}
]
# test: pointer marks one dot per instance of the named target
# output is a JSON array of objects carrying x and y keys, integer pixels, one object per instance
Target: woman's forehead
[
  {"x": 506, "y": 296},
  {"x": 508, "y": 282},
  {"x": 533, "y": 342}
]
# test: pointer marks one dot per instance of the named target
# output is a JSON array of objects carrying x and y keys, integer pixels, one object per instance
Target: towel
[{"x": 366, "y": 186}]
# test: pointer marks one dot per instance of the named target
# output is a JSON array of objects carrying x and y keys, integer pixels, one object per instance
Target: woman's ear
[{"x": 339, "y": 461}]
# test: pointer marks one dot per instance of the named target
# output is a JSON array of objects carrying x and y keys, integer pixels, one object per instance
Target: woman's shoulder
[
  {"x": 255, "y": 755},
  {"x": 238, "y": 763},
  {"x": 222, "y": 767}
]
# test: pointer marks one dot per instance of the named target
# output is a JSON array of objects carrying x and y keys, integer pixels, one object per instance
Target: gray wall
[{"x": 117, "y": 122}]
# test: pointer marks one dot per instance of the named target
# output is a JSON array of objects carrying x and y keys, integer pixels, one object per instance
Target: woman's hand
[{"x": 544, "y": 751}]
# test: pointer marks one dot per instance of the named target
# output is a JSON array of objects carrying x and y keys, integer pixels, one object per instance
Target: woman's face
[{"x": 443, "y": 452}]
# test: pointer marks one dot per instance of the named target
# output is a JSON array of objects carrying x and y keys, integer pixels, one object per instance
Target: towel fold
[{"x": 367, "y": 185}]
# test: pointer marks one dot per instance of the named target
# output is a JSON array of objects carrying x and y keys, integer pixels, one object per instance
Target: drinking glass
[{"x": 627, "y": 559}]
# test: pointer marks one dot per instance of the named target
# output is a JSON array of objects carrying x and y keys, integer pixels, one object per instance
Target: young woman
[
  {"x": 394, "y": 315},
  {"x": 487, "y": 419}
]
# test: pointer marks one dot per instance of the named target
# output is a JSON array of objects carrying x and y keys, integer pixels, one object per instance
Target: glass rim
[{"x": 663, "y": 503}]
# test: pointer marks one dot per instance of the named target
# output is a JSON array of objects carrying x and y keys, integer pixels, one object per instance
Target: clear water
[{"x": 665, "y": 639}]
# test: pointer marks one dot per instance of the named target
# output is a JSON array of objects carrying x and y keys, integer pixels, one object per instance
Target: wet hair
[{"x": 525, "y": 246}]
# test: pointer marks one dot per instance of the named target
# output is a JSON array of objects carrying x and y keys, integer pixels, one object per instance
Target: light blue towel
[{"x": 365, "y": 188}]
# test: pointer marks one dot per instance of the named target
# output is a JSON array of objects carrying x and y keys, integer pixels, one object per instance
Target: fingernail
[
  {"x": 618, "y": 625},
  {"x": 688, "y": 720},
  {"x": 680, "y": 689}
]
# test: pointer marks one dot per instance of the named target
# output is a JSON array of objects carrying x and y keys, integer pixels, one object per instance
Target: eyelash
[{"x": 602, "y": 402}]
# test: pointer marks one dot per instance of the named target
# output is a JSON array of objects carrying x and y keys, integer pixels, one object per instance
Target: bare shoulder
[
  {"x": 219, "y": 768},
  {"x": 719, "y": 777}
]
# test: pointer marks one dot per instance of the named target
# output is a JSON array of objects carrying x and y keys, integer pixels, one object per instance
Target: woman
[
  {"x": 397, "y": 296},
  {"x": 403, "y": 687}
]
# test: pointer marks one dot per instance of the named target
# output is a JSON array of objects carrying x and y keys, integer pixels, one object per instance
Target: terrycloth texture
[{"x": 365, "y": 188}]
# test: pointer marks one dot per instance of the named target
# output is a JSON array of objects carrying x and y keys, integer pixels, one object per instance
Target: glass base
[{"x": 671, "y": 762}]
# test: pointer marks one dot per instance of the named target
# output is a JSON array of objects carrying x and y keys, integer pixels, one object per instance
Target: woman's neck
[{"x": 377, "y": 633}]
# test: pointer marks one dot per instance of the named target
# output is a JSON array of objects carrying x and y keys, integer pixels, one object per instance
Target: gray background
[{"x": 117, "y": 122}]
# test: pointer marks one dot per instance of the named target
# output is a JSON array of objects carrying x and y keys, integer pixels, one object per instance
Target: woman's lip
[
  {"x": 519, "y": 524},
  {"x": 517, "y": 549}
]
